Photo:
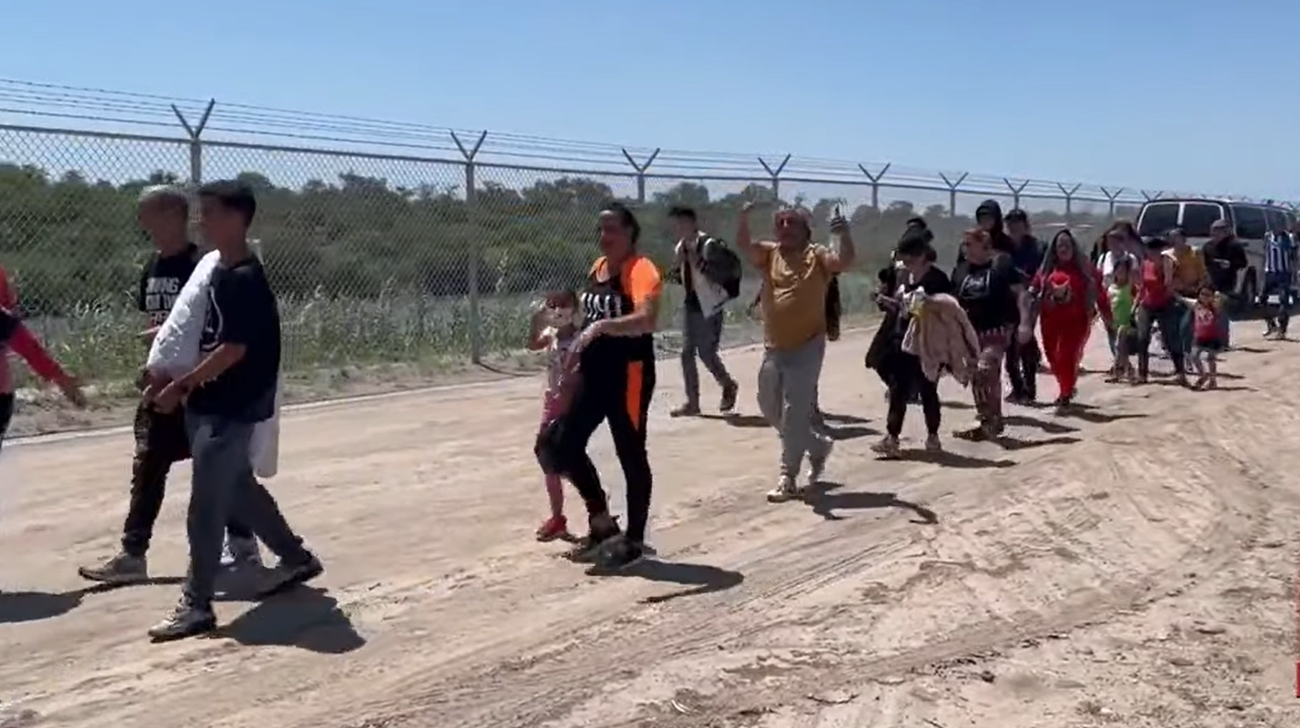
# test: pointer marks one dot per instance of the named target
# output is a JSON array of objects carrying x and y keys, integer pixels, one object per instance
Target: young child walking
[
  {"x": 1120, "y": 296},
  {"x": 1207, "y": 337},
  {"x": 554, "y": 329}
]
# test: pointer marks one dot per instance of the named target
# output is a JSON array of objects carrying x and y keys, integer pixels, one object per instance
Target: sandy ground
[{"x": 1131, "y": 566}]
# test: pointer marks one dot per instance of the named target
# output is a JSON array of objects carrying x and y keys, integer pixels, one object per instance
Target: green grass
[{"x": 101, "y": 343}]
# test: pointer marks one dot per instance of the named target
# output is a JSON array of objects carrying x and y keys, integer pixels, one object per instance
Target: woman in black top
[
  {"x": 901, "y": 369},
  {"x": 614, "y": 357},
  {"x": 994, "y": 294}
]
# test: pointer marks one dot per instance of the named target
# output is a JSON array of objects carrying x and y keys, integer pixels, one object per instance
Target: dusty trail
[{"x": 1129, "y": 566}]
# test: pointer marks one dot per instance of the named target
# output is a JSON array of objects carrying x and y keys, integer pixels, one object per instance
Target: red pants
[{"x": 1063, "y": 342}]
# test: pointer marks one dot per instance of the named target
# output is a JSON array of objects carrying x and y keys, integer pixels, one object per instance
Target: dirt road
[{"x": 1132, "y": 566}]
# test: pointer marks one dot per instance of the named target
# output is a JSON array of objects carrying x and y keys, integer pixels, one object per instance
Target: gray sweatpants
[
  {"x": 701, "y": 336},
  {"x": 787, "y": 391},
  {"x": 222, "y": 483}
]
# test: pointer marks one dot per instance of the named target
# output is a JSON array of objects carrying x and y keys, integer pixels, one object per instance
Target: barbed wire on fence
[{"x": 399, "y": 242}]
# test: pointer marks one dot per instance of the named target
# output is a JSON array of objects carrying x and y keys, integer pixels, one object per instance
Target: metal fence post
[
  {"x": 1111, "y": 197},
  {"x": 640, "y": 172},
  {"x": 196, "y": 162},
  {"x": 1069, "y": 200},
  {"x": 1015, "y": 191},
  {"x": 952, "y": 191},
  {"x": 471, "y": 272},
  {"x": 775, "y": 174},
  {"x": 875, "y": 183},
  {"x": 1150, "y": 197}
]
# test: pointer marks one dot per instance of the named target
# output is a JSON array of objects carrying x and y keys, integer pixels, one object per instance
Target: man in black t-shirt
[
  {"x": 231, "y": 390},
  {"x": 160, "y": 439}
]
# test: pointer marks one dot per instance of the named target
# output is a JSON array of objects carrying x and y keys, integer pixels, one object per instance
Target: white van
[{"x": 1251, "y": 220}]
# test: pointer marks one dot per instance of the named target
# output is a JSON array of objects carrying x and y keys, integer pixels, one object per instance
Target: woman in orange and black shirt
[{"x": 614, "y": 358}]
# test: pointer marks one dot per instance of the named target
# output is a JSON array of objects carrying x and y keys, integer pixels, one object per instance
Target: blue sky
[{"x": 1146, "y": 93}]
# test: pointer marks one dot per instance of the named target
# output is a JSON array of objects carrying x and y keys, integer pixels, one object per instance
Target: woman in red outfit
[{"x": 1067, "y": 292}]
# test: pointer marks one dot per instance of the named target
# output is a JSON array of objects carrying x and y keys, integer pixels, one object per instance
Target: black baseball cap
[{"x": 1017, "y": 215}]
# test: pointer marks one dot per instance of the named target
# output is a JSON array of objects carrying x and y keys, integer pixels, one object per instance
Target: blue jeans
[{"x": 222, "y": 484}]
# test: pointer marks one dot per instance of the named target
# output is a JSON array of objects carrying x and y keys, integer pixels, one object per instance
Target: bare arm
[
  {"x": 222, "y": 358},
  {"x": 1024, "y": 302},
  {"x": 538, "y": 339},
  {"x": 756, "y": 251},
  {"x": 838, "y": 261}
]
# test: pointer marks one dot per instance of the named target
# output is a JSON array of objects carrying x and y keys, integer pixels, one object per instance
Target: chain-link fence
[{"x": 385, "y": 258}]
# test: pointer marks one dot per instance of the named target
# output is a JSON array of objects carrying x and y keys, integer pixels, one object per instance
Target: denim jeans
[
  {"x": 1170, "y": 318},
  {"x": 701, "y": 336},
  {"x": 222, "y": 484}
]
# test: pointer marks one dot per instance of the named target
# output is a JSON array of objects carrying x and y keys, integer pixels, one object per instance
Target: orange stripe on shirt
[{"x": 635, "y": 392}]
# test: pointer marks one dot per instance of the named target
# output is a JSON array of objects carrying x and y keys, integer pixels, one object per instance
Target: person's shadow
[
  {"x": 737, "y": 419},
  {"x": 950, "y": 459},
  {"x": 306, "y": 617},
  {"x": 825, "y": 500},
  {"x": 34, "y": 606},
  {"x": 698, "y": 578}
]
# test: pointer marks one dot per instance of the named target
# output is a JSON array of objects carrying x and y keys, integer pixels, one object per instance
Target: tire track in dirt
[
  {"x": 492, "y": 631},
  {"x": 565, "y": 680}
]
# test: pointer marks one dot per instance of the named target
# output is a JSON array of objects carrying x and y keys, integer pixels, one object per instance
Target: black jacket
[{"x": 1224, "y": 261}]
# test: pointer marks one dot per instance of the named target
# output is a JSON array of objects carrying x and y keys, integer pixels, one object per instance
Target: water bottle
[{"x": 834, "y": 243}]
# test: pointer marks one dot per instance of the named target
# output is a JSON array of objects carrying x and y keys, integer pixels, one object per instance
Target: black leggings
[
  {"x": 623, "y": 400},
  {"x": 906, "y": 379}
]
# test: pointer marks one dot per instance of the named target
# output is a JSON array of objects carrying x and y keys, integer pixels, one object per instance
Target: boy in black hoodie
[
  {"x": 988, "y": 217},
  {"x": 1023, "y": 359}
]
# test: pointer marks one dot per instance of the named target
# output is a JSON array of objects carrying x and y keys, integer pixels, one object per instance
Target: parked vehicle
[{"x": 1252, "y": 221}]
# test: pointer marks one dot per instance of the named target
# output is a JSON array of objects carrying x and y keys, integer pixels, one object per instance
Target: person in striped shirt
[{"x": 1279, "y": 277}]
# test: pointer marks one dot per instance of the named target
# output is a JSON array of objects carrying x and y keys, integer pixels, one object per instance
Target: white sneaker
[
  {"x": 817, "y": 463},
  {"x": 784, "y": 491},
  {"x": 240, "y": 553}
]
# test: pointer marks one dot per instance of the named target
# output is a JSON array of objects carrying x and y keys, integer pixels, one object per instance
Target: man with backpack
[{"x": 710, "y": 273}]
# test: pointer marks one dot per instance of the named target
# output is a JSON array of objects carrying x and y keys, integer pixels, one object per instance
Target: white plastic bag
[
  {"x": 265, "y": 448},
  {"x": 175, "y": 352},
  {"x": 175, "y": 349}
]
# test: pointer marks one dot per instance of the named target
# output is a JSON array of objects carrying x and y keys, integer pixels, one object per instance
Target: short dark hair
[
  {"x": 913, "y": 244},
  {"x": 626, "y": 219},
  {"x": 1017, "y": 215},
  {"x": 233, "y": 195},
  {"x": 681, "y": 212}
]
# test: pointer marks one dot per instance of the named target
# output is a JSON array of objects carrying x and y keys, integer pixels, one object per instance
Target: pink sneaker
[{"x": 553, "y": 528}]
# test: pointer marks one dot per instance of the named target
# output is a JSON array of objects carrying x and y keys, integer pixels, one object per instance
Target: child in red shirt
[{"x": 1207, "y": 337}]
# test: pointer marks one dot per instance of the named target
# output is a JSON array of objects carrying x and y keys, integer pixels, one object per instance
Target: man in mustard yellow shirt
[{"x": 796, "y": 276}]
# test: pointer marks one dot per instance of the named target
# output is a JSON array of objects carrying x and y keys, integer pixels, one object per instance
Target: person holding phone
[{"x": 796, "y": 280}]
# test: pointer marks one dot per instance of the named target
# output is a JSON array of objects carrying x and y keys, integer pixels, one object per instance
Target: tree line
[{"x": 71, "y": 243}]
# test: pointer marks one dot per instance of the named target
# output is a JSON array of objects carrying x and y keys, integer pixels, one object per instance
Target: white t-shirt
[{"x": 1108, "y": 262}]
